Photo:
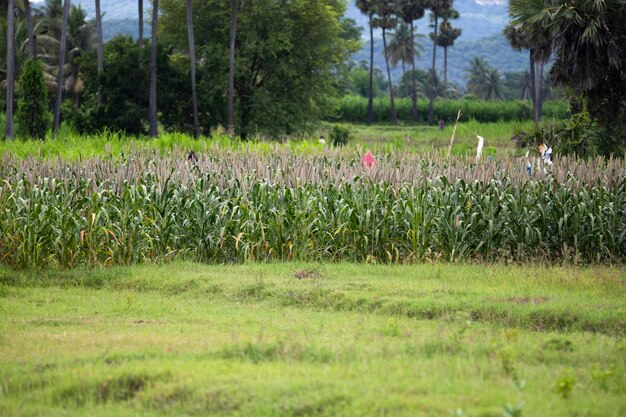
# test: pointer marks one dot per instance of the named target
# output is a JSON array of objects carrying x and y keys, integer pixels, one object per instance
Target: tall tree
[
  {"x": 100, "y": 52},
  {"x": 56, "y": 123},
  {"x": 412, "y": 10},
  {"x": 154, "y": 129},
  {"x": 140, "y": 34},
  {"x": 538, "y": 51},
  {"x": 231, "y": 71},
  {"x": 366, "y": 7},
  {"x": 402, "y": 48},
  {"x": 10, "y": 68},
  {"x": 437, "y": 7},
  {"x": 32, "y": 51},
  {"x": 448, "y": 34},
  {"x": 386, "y": 18},
  {"x": 192, "y": 63}
]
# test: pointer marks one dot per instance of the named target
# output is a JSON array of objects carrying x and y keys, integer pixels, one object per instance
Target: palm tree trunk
[
  {"x": 231, "y": 72},
  {"x": 100, "y": 52},
  {"x": 406, "y": 90},
  {"x": 56, "y": 122},
  {"x": 540, "y": 89},
  {"x": 431, "y": 94},
  {"x": 414, "y": 92},
  {"x": 533, "y": 90},
  {"x": 445, "y": 68},
  {"x": 394, "y": 116},
  {"x": 370, "y": 101},
  {"x": 10, "y": 68},
  {"x": 192, "y": 62},
  {"x": 140, "y": 35},
  {"x": 154, "y": 129},
  {"x": 32, "y": 51}
]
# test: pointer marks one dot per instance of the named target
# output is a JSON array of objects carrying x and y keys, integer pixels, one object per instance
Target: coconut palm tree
[
  {"x": 410, "y": 11},
  {"x": 231, "y": 71},
  {"x": 386, "y": 18},
  {"x": 437, "y": 8},
  {"x": 192, "y": 63},
  {"x": 100, "y": 52},
  {"x": 520, "y": 38},
  {"x": 56, "y": 123},
  {"x": 367, "y": 7},
  {"x": 402, "y": 48},
  {"x": 10, "y": 68},
  {"x": 154, "y": 131}
]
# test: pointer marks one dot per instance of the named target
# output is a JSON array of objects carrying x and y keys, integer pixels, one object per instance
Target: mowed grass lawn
[{"x": 345, "y": 340}]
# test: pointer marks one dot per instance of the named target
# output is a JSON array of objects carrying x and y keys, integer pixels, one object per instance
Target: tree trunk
[
  {"x": 140, "y": 35},
  {"x": 10, "y": 68},
  {"x": 154, "y": 129},
  {"x": 394, "y": 116},
  {"x": 445, "y": 68},
  {"x": 414, "y": 92},
  {"x": 533, "y": 80},
  {"x": 56, "y": 122},
  {"x": 32, "y": 51},
  {"x": 431, "y": 94},
  {"x": 192, "y": 62},
  {"x": 231, "y": 72},
  {"x": 100, "y": 52},
  {"x": 370, "y": 101},
  {"x": 406, "y": 89},
  {"x": 540, "y": 90}
]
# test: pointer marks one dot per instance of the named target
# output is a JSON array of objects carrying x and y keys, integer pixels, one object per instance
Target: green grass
[
  {"x": 379, "y": 137},
  {"x": 189, "y": 339}
]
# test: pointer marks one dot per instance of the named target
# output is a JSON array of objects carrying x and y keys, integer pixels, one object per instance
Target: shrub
[
  {"x": 32, "y": 106},
  {"x": 340, "y": 135}
]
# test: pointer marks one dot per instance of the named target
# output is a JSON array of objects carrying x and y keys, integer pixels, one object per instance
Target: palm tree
[
  {"x": 231, "y": 71},
  {"x": 446, "y": 37},
  {"x": 386, "y": 19},
  {"x": 100, "y": 52},
  {"x": 437, "y": 7},
  {"x": 412, "y": 10},
  {"x": 492, "y": 87},
  {"x": 192, "y": 63},
  {"x": 477, "y": 75},
  {"x": 56, "y": 123},
  {"x": 32, "y": 51},
  {"x": 154, "y": 131},
  {"x": 10, "y": 68},
  {"x": 402, "y": 48},
  {"x": 367, "y": 7},
  {"x": 140, "y": 34},
  {"x": 80, "y": 39},
  {"x": 520, "y": 38}
]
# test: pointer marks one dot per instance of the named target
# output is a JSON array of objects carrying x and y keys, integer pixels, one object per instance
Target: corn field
[{"x": 238, "y": 206}]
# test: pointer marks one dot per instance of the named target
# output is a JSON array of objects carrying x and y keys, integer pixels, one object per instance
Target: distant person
[
  {"x": 322, "y": 140},
  {"x": 192, "y": 157},
  {"x": 442, "y": 124}
]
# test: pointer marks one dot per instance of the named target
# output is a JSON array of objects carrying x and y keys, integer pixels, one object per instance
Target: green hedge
[{"x": 354, "y": 109}]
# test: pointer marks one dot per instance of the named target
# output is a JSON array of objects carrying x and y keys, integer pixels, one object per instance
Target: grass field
[
  {"x": 344, "y": 340},
  {"x": 378, "y": 137}
]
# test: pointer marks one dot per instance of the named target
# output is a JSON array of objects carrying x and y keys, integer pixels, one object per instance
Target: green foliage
[
  {"x": 340, "y": 135},
  {"x": 32, "y": 114},
  {"x": 564, "y": 385},
  {"x": 354, "y": 109},
  {"x": 287, "y": 58},
  {"x": 315, "y": 208}
]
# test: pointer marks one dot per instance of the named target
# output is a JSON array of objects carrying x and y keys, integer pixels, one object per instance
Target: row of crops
[{"x": 246, "y": 206}]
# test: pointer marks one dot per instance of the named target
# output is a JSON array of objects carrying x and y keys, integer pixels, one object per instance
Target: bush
[
  {"x": 32, "y": 106},
  {"x": 340, "y": 135}
]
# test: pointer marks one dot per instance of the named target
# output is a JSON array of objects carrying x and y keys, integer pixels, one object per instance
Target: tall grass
[{"x": 245, "y": 206}]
